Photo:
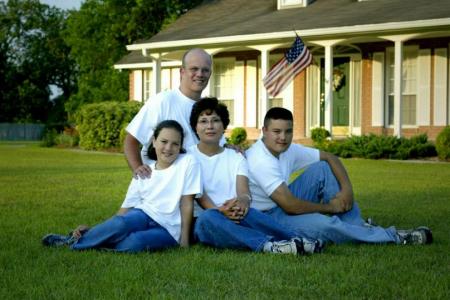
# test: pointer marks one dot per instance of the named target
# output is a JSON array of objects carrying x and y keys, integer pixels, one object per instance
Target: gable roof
[
  {"x": 242, "y": 22},
  {"x": 222, "y": 18}
]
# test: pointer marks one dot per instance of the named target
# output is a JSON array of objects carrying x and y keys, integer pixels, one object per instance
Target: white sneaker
[
  {"x": 283, "y": 247},
  {"x": 297, "y": 246},
  {"x": 418, "y": 236}
]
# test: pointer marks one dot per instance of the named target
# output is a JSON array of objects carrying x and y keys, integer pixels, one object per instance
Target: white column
[
  {"x": 264, "y": 95},
  {"x": 328, "y": 109},
  {"x": 398, "y": 88},
  {"x": 156, "y": 74}
]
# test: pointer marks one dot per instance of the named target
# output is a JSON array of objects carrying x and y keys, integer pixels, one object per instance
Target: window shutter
[
  {"x": 378, "y": 89},
  {"x": 440, "y": 87},
  {"x": 423, "y": 89}
]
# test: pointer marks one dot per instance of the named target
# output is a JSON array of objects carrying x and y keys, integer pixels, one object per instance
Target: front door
[{"x": 340, "y": 88}]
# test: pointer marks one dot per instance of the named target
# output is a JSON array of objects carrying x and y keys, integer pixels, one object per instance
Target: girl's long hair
[{"x": 151, "y": 153}]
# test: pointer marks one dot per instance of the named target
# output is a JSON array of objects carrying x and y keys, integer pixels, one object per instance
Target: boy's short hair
[{"x": 278, "y": 113}]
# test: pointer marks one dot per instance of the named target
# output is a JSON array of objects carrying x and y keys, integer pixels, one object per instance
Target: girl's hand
[{"x": 79, "y": 231}]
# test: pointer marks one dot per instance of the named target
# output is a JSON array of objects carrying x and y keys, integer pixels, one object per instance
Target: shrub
[
  {"x": 238, "y": 137},
  {"x": 100, "y": 124},
  {"x": 376, "y": 147},
  {"x": 318, "y": 135},
  {"x": 443, "y": 144},
  {"x": 68, "y": 138},
  {"x": 49, "y": 138}
]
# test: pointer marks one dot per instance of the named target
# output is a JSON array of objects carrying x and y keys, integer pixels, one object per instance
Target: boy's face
[{"x": 277, "y": 136}]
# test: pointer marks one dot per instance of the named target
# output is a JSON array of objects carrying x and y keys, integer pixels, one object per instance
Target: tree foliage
[
  {"x": 33, "y": 56},
  {"x": 98, "y": 34},
  {"x": 74, "y": 50}
]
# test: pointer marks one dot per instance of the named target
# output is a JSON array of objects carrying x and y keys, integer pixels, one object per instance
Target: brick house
[{"x": 380, "y": 66}]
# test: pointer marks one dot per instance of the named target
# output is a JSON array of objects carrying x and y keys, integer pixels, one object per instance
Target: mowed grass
[{"x": 53, "y": 190}]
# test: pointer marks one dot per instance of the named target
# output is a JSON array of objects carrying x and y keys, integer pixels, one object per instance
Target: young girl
[
  {"x": 228, "y": 222},
  {"x": 157, "y": 211}
]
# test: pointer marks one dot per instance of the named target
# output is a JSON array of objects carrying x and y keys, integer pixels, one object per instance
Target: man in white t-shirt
[
  {"x": 319, "y": 204},
  {"x": 175, "y": 105}
]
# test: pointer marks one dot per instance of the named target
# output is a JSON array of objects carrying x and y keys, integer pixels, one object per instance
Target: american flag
[{"x": 294, "y": 61}]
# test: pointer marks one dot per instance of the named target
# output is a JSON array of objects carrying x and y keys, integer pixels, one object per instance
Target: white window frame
[
  {"x": 407, "y": 50},
  {"x": 285, "y": 4},
  {"x": 147, "y": 85},
  {"x": 229, "y": 95}
]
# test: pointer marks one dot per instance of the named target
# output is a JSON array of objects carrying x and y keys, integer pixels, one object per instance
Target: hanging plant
[{"x": 338, "y": 80}]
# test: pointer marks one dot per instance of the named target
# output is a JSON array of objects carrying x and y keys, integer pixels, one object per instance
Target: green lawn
[{"x": 53, "y": 190}]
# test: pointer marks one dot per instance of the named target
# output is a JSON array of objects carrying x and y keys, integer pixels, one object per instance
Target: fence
[{"x": 21, "y": 132}]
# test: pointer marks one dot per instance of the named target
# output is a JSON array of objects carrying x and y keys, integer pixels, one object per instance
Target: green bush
[
  {"x": 379, "y": 146},
  {"x": 68, "y": 138},
  {"x": 238, "y": 137},
  {"x": 318, "y": 135},
  {"x": 443, "y": 144},
  {"x": 100, "y": 124},
  {"x": 49, "y": 138}
]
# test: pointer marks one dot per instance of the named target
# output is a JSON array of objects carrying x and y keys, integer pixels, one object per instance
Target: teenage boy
[{"x": 318, "y": 204}]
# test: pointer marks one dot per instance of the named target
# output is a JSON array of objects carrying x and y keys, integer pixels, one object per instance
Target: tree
[
  {"x": 98, "y": 34},
  {"x": 33, "y": 56}
]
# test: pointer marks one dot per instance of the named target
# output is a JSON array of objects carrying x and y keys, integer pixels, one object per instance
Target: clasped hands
[
  {"x": 234, "y": 209},
  {"x": 342, "y": 202}
]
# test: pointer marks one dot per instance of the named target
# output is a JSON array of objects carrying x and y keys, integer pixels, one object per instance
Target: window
[
  {"x": 147, "y": 84},
  {"x": 223, "y": 83},
  {"x": 282, "y": 4},
  {"x": 278, "y": 101},
  {"x": 409, "y": 85}
]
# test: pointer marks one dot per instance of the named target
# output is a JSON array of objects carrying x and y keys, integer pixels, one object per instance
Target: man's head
[
  {"x": 195, "y": 72},
  {"x": 278, "y": 130}
]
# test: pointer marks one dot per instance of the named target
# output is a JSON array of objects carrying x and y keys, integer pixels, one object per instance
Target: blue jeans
[
  {"x": 317, "y": 184},
  {"x": 214, "y": 229},
  {"x": 132, "y": 232}
]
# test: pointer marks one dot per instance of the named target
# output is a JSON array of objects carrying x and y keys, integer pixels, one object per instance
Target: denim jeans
[
  {"x": 214, "y": 229},
  {"x": 317, "y": 184},
  {"x": 132, "y": 232}
]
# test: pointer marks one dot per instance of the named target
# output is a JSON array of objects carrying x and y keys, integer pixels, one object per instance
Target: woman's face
[
  {"x": 209, "y": 128},
  {"x": 167, "y": 146}
]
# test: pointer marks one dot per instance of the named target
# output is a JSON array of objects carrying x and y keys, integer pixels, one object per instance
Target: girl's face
[
  {"x": 209, "y": 128},
  {"x": 167, "y": 146}
]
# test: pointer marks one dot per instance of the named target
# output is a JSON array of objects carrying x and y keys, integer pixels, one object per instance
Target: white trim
[
  {"x": 378, "y": 84},
  {"x": 440, "y": 89},
  {"x": 251, "y": 93},
  {"x": 149, "y": 65},
  {"x": 239, "y": 90},
  {"x": 423, "y": 87},
  {"x": 264, "y": 37},
  {"x": 448, "y": 91},
  {"x": 137, "y": 85}
]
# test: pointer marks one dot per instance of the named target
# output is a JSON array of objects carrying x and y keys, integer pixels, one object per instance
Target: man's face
[
  {"x": 195, "y": 73},
  {"x": 277, "y": 136}
]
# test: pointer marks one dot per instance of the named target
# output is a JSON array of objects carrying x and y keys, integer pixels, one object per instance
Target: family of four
[{"x": 189, "y": 187}]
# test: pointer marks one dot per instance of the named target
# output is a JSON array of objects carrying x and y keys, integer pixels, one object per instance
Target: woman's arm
[
  {"x": 187, "y": 209},
  {"x": 243, "y": 196}
]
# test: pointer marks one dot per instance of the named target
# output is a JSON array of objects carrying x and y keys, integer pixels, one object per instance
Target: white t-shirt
[
  {"x": 267, "y": 172},
  {"x": 219, "y": 174},
  {"x": 159, "y": 196},
  {"x": 167, "y": 105}
]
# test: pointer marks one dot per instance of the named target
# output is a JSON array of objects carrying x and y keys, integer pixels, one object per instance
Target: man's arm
[
  {"x": 295, "y": 206},
  {"x": 345, "y": 196},
  {"x": 133, "y": 155}
]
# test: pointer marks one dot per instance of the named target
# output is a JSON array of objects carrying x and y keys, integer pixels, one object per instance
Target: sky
[{"x": 64, "y": 4}]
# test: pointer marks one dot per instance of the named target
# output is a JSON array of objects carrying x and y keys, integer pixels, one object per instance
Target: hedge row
[
  {"x": 375, "y": 146},
  {"x": 102, "y": 125}
]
